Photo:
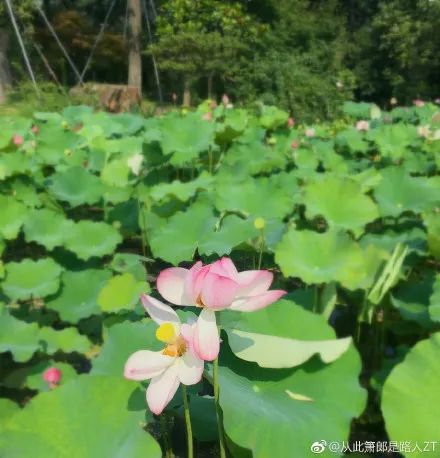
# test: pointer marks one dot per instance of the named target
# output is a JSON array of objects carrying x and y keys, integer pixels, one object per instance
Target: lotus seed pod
[
  {"x": 259, "y": 223},
  {"x": 64, "y": 125}
]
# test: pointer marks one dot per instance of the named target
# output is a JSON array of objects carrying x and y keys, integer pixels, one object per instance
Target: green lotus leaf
[
  {"x": 67, "y": 340},
  {"x": 129, "y": 262},
  {"x": 121, "y": 292},
  {"x": 186, "y": 137},
  {"x": 76, "y": 186},
  {"x": 399, "y": 192},
  {"x": 182, "y": 191},
  {"x": 177, "y": 239},
  {"x": 257, "y": 197},
  {"x": 233, "y": 232},
  {"x": 78, "y": 298},
  {"x": 414, "y": 239},
  {"x": 353, "y": 140},
  {"x": 393, "y": 139},
  {"x": 45, "y": 227},
  {"x": 18, "y": 337},
  {"x": 7, "y": 409},
  {"x": 24, "y": 191},
  {"x": 34, "y": 375},
  {"x": 320, "y": 258},
  {"x": 411, "y": 391},
  {"x": 120, "y": 341},
  {"x": 203, "y": 418},
  {"x": 88, "y": 238},
  {"x": 282, "y": 335},
  {"x": 28, "y": 278},
  {"x": 357, "y": 110},
  {"x": 289, "y": 409},
  {"x": 341, "y": 202},
  {"x": 12, "y": 217},
  {"x": 432, "y": 223},
  {"x": 115, "y": 173},
  {"x": 434, "y": 301},
  {"x": 53, "y": 142},
  {"x": 77, "y": 420},
  {"x": 272, "y": 117}
]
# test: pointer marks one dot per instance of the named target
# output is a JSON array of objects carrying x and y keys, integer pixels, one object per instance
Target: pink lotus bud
[
  {"x": 35, "y": 129},
  {"x": 17, "y": 140},
  {"x": 294, "y": 144},
  {"x": 393, "y": 101},
  {"x": 207, "y": 116},
  {"x": 225, "y": 100},
  {"x": 290, "y": 123},
  {"x": 418, "y": 103},
  {"x": 310, "y": 132},
  {"x": 363, "y": 125},
  {"x": 52, "y": 376}
]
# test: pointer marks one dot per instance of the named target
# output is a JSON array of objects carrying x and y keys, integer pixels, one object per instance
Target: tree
[{"x": 134, "y": 57}]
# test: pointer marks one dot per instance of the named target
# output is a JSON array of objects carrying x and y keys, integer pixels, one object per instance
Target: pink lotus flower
[
  {"x": 225, "y": 100},
  {"x": 177, "y": 363},
  {"x": 17, "y": 140},
  {"x": 207, "y": 116},
  {"x": 363, "y": 125},
  {"x": 290, "y": 123},
  {"x": 35, "y": 129},
  {"x": 294, "y": 144},
  {"x": 52, "y": 376},
  {"x": 310, "y": 132},
  {"x": 215, "y": 287},
  {"x": 419, "y": 103}
]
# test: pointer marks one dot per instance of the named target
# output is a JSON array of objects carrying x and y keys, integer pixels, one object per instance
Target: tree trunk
[
  {"x": 134, "y": 56},
  {"x": 186, "y": 93},
  {"x": 5, "y": 74},
  {"x": 210, "y": 84}
]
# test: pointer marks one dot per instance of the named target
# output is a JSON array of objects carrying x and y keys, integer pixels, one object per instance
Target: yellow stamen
[
  {"x": 178, "y": 348},
  {"x": 166, "y": 333},
  {"x": 199, "y": 301}
]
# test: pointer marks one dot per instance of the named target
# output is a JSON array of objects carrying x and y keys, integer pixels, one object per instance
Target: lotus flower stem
[
  {"x": 189, "y": 435},
  {"x": 142, "y": 218},
  {"x": 221, "y": 438},
  {"x": 210, "y": 159},
  {"x": 260, "y": 256}
]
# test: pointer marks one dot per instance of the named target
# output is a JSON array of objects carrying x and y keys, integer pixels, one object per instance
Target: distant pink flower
[
  {"x": 17, "y": 140},
  {"x": 215, "y": 287},
  {"x": 225, "y": 100},
  {"x": 177, "y": 363},
  {"x": 35, "y": 129},
  {"x": 363, "y": 125},
  {"x": 393, "y": 101},
  {"x": 213, "y": 105},
  {"x": 52, "y": 376},
  {"x": 207, "y": 116},
  {"x": 294, "y": 144},
  {"x": 310, "y": 132},
  {"x": 418, "y": 103},
  {"x": 290, "y": 123}
]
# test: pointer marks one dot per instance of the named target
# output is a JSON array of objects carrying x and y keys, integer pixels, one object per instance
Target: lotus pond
[{"x": 313, "y": 250}]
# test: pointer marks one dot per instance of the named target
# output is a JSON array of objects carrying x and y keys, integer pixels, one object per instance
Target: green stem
[
  {"x": 166, "y": 436},
  {"x": 210, "y": 159},
  {"x": 260, "y": 256},
  {"x": 142, "y": 218},
  {"x": 221, "y": 438},
  {"x": 189, "y": 435}
]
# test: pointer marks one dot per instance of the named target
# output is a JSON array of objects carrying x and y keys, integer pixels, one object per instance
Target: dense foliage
[{"x": 346, "y": 215}]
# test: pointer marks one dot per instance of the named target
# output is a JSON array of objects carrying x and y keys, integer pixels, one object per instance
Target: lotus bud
[
  {"x": 418, "y": 103},
  {"x": 393, "y": 101},
  {"x": 339, "y": 84},
  {"x": 52, "y": 377},
  {"x": 17, "y": 140},
  {"x": 290, "y": 123},
  {"x": 35, "y": 129},
  {"x": 310, "y": 132},
  {"x": 294, "y": 144},
  {"x": 207, "y": 116},
  {"x": 225, "y": 100},
  {"x": 363, "y": 125}
]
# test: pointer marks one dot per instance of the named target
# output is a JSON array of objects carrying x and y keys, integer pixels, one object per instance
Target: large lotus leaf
[
  {"x": 393, "y": 140},
  {"x": 434, "y": 301},
  {"x": 177, "y": 239},
  {"x": 182, "y": 191},
  {"x": 129, "y": 262},
  {"x": 120, "y": 341},
  {"x": 411, "y": 391},
  {"x": 353, "y": 140},
  {"x": 357, "y": 110},
  {"x": 341, "y": 202},
  {"x": 14, "y": 163},
  {"x": 282, "y": 335},
  {"x": 432, "y": 223},
  {"x": 121, "y": 292},
  {"x": 272, "y": 117},
  {"x": 18, "y": 337},
  {"x": 186, "y": 137},
  {"x": 115, "y": 173},
  {"x": 67, "y": 340},
  {"x": 78, "y": 420},
  {"x": 23, "y": 190},
  {"x": 258, "y": 197},
  {"x": 28, "y": 278},
  {"x": 76, "y": 186},
  {"x": 78, "y": 298},
  {"x": 414, "y": 239},
  {"x": 45, "y": 227},
  {"x": 12, "y": 125},
  {"x": 320, "y": 258},
  {"x": 233, "y": 232},
  {"x": 289, "y": 409},
  {"x": 399, "y": 192},
  {"x": 54, "y": 142},
  {"x": 12, "y": 217},
  {"x": 88, "y": 238},
  {"x": 75, "y": 114}
]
